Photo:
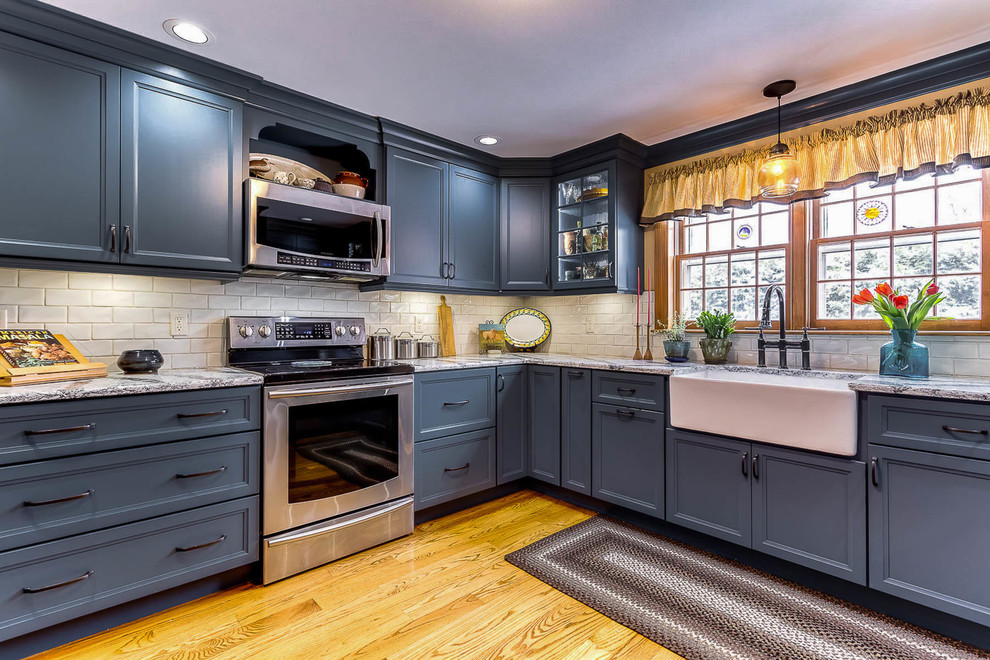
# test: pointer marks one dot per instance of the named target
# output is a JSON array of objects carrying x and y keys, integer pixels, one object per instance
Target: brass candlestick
[
  {"x": 649, "y": 354},
  {"x": 637, "y": 355}
]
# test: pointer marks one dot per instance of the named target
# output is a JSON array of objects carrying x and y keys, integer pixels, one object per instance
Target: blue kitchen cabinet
[
  {"x": 448, "y": 402},
  {"x": 627, "y": 457},
  {"x": 454, "y": 466},
  {"x": 512, "y": 397},
  {"x": 544, "y": 423},
  {"x": 929, "y": 518},
  {"x": 525, "y": 234},
  {"x": 575, "y": 430},
  {"x": 472, "y": 234}
]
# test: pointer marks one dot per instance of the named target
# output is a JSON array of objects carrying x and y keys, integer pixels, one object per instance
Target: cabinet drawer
[
  {"x": 454, "y": 402},
  {"x": 52, "y": 582},
  {"x": 635, "y": 390},
  {"x": 627, "y": 458},
  {"x": 448, "y": 468},
  {"x": 51, "y": 499},
  {"x": 946, "y": 427},
  {"x": 45, "y": 430}
]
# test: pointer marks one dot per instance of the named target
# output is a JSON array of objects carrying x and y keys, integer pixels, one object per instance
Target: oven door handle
[
  {"x": 379, "y": 238},
  {"x": 383, "y": 387},
  {"x": 325, "y": 529}
]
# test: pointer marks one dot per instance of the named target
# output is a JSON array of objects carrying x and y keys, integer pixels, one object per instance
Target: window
[
  {"x": 727, "y": 260},
  {"x": 826, "y": 250}
]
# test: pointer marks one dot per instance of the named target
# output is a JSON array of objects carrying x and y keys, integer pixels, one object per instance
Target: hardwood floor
[{"x": 443, "y": 592}]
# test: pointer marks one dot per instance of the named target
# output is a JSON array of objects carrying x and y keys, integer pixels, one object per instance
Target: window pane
[
  {"x": 834, "y": 261},
  {"x": 839, "y": 195},
  {"x": 772, "y": 268},
  {"x": 719, "y": 236},
  {"x": 872, "y": 258},
  {"x": 761, "y": 295},
  {"x": 869, "y": 189},
  {"x": 923, "y": 181},
  {"x": 744, "y": 269},
  {"x": 959, "y": 252},
  {"x": 837, "y": 220},
  {"x": 964, "y": 173},
  {"x": 717, "y": 299},
  {"x": 744, "y": 213},
  {"x": 691, "y": 303},
  {"x": 695, "y": 239},
  {"x": 962, "y": 293},
  {"x": 866, "y": 311},
  {"x": 717, "y": 271},
  {"x": 913, "y": 255},
  {"x": 746, "y": 232},
  {"x": 834, "y": 300},
  {"x": 915, "y": 209},
  {"x": 692, "y": 274},
  {"x": 873, "y": 215},
  {"x": 774, "y": 229},
  {"x": 909, "y": 286},
  {"x": 744, "y": 304},
  {"x": 960, "y": 203}
]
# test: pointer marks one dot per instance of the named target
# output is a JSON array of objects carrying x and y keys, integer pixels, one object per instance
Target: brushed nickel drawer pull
[
  {"x": 190, "y": 475},
  {"x": 58, "y": 500},
  {"x": 69, "y": 429},
  {"x": 215, "y": 413},
  {"x": 457, "y": 403},
  {"x": 953, "y": 429},
  {"x": 190, "y": 548},
  {"x": 38, "y": 590},
  {"x": 457, "y": 469}
]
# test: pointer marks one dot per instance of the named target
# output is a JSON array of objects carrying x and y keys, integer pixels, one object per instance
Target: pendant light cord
[{"x": 778, "y": 120}]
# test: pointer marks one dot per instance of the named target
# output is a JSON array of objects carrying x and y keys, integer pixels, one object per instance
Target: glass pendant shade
[{"x": 780, "y": 173}]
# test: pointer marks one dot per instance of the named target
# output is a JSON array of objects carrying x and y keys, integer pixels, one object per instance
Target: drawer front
[
  {"x": 56, "y": 498},
  {"x": 454, "y": 402},
  {"x": 46, "y": 430},
  {"x": 946, "y": 427},
  {"x": 448, "y": 468},
  {"x": 634, "y": 390},
  {"x": 52, "y": 582}
]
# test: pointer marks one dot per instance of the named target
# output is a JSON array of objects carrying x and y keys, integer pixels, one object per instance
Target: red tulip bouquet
[{"x": 903, "y": 356}]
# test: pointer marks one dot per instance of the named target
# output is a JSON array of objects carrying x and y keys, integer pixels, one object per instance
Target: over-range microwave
[{"x": 294, "y": 232}]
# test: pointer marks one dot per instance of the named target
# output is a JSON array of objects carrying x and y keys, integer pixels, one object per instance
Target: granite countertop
[
  {"x": 945, "y": 387},
  {"x": 118, "y": 384}
]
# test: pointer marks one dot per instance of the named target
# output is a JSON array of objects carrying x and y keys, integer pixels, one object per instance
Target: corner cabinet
[
  {"x": 525, "y": 235},
  {"x": 596, "y": 242},
  {"x": 444, "y": 223}
]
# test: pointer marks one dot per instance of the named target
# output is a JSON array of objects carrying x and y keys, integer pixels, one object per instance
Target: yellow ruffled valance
[{"x": 902, "y": 143}]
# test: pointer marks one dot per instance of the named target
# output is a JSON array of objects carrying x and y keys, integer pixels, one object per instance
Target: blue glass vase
[{"x": 904, "y": 356}]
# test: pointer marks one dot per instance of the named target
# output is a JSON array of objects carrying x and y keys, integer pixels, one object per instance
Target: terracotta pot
[{"x": 351, "y": 178}]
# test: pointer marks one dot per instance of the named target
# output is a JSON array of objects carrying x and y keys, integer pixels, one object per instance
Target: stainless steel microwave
[{"x": 294, "y": 232}]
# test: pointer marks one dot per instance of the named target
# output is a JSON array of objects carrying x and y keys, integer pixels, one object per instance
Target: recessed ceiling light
[
  {"x": 187, "y": 31},
  {"x": 487, "y": 140}
]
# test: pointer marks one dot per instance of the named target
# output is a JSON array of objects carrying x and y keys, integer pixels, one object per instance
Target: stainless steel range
[{"x": 338, "y": 440}]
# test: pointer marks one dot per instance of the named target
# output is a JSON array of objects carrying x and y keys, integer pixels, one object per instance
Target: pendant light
[{"x": 780, "y": 173}]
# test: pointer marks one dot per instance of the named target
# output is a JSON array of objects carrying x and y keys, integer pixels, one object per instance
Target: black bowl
[{"x": 140, "y": 361}]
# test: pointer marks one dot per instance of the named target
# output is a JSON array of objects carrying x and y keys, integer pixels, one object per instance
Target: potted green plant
[
  {"x": 675, "y": 341},
  {"x": 717, "y": 326}
]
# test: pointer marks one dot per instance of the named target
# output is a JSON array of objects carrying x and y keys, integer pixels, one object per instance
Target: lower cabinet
[
  {"x": 575, "y": 430},
  {"x": 627, "y": 457},
  {"x": 454, "y": 466},
  {"x": 930, "y": 530},
  {"x": 544, "y": 423},
  {"x": 806, "y": 508},
  {"x": 512, "y": 407}
]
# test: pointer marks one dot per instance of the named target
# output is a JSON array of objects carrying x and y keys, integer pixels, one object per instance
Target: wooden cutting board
[{"x": 446, "y": 318}]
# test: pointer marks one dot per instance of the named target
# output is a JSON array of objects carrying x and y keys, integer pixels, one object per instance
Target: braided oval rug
[{"x": 702, "y": 606}]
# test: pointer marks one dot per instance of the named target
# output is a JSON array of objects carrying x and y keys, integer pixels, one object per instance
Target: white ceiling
[{"x": 550, "y": 75}]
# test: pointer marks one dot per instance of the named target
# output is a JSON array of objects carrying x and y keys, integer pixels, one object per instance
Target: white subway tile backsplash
[
  {"x": 133, "y": 315},
  {"x": 90, "y": 281},
  {"x": 132, "y": 283},
  {"x": 113, "y": 298},
  {"x": 41, "y": 314},
  {"x": 43, "y": 279},
  {"x": 15, "y": 296}
]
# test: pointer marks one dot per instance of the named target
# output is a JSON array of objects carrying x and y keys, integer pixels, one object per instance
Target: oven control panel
[{"x": 275, "y": 331}]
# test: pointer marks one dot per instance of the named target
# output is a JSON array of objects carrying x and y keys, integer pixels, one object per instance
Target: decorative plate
[
  {"x": 526, "y": 327},
  {"x": 872, "y": 213}
]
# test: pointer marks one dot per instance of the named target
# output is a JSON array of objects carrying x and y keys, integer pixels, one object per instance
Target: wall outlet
[
  {"x": 418, "y": 325},
  {"x": 589, "y": 325},
  {"x": 178, "y": 323}
]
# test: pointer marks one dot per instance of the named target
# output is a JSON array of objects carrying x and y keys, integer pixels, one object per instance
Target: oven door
[{"x": 337, "y": 447}]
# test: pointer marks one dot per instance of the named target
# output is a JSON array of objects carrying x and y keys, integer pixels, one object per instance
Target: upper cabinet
[
  {"x": 59, "y": 127},
  {"x": 444, "y": 223},
  {"x": 525, "y": 233},
  {"x": 596, "y": 242},
  {"x": 182, "y": 165}
]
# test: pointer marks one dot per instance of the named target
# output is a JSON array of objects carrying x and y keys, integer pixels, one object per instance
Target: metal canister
[
  {"x": 380, "y": 345},
  {"x": 428, "y": 347},
  {"x": 405, "y": 346}
]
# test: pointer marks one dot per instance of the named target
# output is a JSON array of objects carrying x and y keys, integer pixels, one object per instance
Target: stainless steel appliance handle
[
  {"x": 341, "y": 525},
  {"x": 340, "y": 390},
  {"x": 379, "y": 238}
]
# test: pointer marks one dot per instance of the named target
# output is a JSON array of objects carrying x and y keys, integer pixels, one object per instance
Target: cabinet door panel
[
  {"x": 60, "y": 137},
  {"x": 708, "y": 485},
  {"x": 513, "y": 429},
  {"x": 930, "y": 530},
  {"x": 811, "y": 510},
  {"x": 416, "y": 191},
  {"x": 575, "y": 430},
  {"x": 544, "y": 430},
  {"x": 472, "y": 241},
  {"x": 627, "y": 457},
  {"x": 182, "y": 168},
  {"x": 525, "y": 234}
]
